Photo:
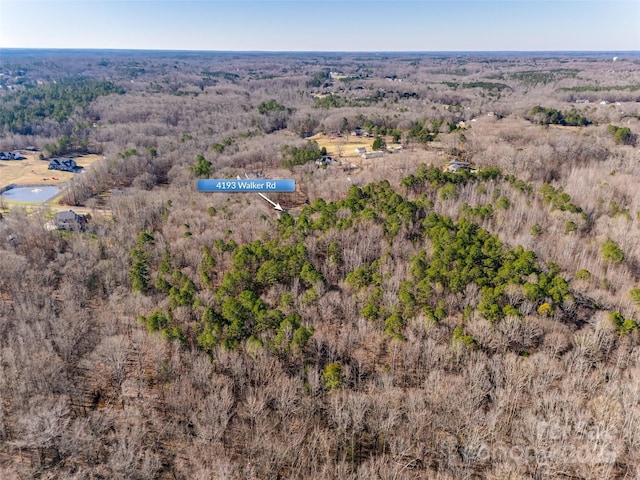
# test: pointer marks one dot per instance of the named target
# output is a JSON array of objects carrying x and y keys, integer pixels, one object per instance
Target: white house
[
  {"x": 376, "y": 154},
  {"x": 455, "y": 165}
]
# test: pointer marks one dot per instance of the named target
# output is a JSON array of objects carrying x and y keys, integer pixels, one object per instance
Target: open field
[
  {"x": 344, "y": 147},
  {"x": 34, "y": 171}
]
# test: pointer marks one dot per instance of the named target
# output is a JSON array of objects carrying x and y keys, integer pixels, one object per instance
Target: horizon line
[{"x": 117, "y": 49}]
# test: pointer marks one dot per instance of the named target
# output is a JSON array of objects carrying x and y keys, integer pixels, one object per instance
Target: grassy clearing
[
  {"x": 10, "y": 203},
  {"x": 345, "y": 147},
  {"x": 34, "y": 171}
]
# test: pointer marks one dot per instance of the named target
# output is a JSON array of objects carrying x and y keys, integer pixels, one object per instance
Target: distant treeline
[
  {"x": 551, "y": 116},
  {"x": 602, "y": 88}
]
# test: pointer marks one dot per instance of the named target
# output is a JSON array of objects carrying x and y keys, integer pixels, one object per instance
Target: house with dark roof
[
  {"x": 64, "y": 164},
  {"x": 70, "y": 220},
  {"x": 456, "y": 165},
  {"x": 12, "y": 156},
  {"x": 326, "y": 160}
]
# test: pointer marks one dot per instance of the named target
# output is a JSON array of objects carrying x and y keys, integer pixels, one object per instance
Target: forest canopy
[{"x": 57, "y": 101}]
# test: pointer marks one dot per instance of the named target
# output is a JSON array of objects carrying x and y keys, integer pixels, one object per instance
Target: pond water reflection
[{"x": 30, "y": 194}]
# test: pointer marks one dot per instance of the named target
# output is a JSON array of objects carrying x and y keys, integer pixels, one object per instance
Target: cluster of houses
[
  {"x": 362, "y": 151},
  {"x": 68, "y": 220},
  {"x": 64, "y": 164},
  {"x": 12, "y": 156},
  {"x": 366, "y": 155},
  {"x": 357, "y": 132}
]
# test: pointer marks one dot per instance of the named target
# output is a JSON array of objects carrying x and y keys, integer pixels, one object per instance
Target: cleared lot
[{"x": 34, "y": 171}]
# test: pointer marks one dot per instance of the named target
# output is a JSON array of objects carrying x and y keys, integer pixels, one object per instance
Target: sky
[{"x": 329, "y": 25}]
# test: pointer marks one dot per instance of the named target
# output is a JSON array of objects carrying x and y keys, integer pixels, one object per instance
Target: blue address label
[{"x": 249, "y": 185}]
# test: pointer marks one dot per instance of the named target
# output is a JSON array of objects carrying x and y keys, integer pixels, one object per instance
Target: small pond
[{"x": 30, "y": 194}]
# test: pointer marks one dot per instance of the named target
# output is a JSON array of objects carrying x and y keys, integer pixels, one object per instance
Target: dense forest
[{"x": 400, "y": 319}]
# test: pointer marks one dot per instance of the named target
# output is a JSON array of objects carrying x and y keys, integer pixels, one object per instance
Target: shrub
[
  {"x": 332, "y": 377},
  {"x": 583, "y": 274},
  {"x": 459, "y": 337},
  {"x": 623, "y": 325},
  {"x": 202, "y": 168},
  {"x": 611, "y": 252},
  {"x": 635, "y": 296},
  {"x": 309, "y": 296},
  {"x": 545, "y": 310},
  {"x": 570, "y": 226},
  {"x": 448, "y": 191},
  {"x": 503, "y": 203},
  {"x": 536, "y": 230},
  {"x": 379, "y": 143},
  {"x": 393, "y": 326},
  {"x": 622, "y": 135},
  {"x": 271, "y": 106}
]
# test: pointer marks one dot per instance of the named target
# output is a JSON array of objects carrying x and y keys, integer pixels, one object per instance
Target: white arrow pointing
[{"x": 275, "y": 205}]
